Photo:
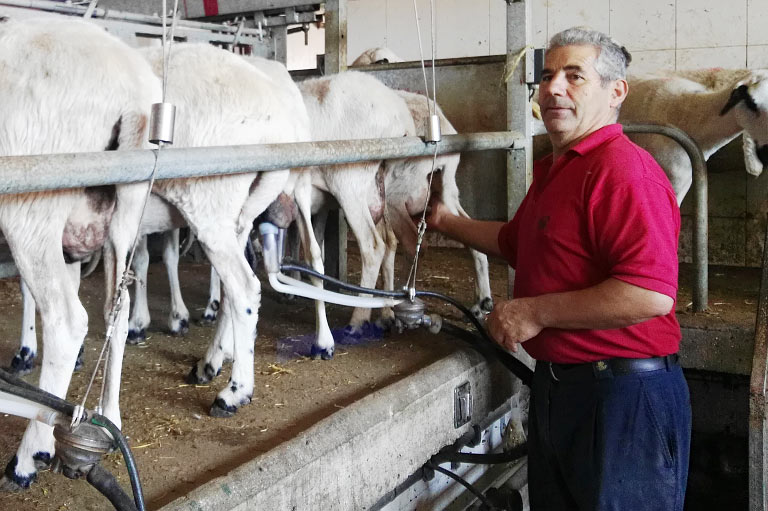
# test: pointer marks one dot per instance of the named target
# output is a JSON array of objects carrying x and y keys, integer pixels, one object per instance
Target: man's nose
[{"x": 557, "y": 85}]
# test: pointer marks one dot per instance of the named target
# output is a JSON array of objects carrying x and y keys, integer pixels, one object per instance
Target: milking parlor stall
[{"x": 246, "y": 392}]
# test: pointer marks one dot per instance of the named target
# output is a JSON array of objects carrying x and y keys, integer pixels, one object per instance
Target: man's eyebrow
[{"x": 570, "y": 67}]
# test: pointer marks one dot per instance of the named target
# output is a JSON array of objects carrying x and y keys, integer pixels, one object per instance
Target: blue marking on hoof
[
  {"x": 13, "y": 481},
  {"x": 357, "y": 335},
  {"x": 317, "y": 352},
  {"x": 221, "y": 410},
  {"x": 136, "y": 336},
  {"x": 23, "y": 362}
]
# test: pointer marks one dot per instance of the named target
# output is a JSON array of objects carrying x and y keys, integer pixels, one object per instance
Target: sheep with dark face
[
  {"x": 713, "y": 106},
  {"x": 67, "y": 86}
]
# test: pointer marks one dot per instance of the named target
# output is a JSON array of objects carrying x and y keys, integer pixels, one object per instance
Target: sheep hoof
[
  {"x": 385, "y": 324},
  {"x": 483, "y": 307},
  {"x": 323, "y": 353},
  {"x": 136, "y": 336},
  {"x": 208, "y": 319},
  {"x": 79, "y": 361},
  {"x": 193, "y": 378},
  {"x": 182, "y": 329},
  {"x": 23, "y": 362},
  {"x": 12, "y": 482},
  {"x": 222, "y": 410}
]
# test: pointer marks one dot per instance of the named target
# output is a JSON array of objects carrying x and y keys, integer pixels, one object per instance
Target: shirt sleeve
[{"x": 635, "y": 229}]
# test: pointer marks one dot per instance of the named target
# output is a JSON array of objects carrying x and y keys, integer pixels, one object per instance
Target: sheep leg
[
  {"x": 214, "y": 299},
  {"x": 24, "y": 360},
  {"x": 323, "y": 346},
  {"x": 178, "y": 318},
  {"x": 387, "y": 318},
  {"x": 140, "y": 318},
  {"x": 220, "y": 349},
  {"x": 243, "y": 294},
  {"x": 372, "y": 248},
  {"x": 64, "y": 323},
  {"x": 483, "y": 299}
]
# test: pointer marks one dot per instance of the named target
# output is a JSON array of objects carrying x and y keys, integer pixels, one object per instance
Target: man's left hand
[{"x": 513, "y": 322}]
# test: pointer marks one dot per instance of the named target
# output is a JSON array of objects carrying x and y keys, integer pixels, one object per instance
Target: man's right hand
[{"x": 436, "y": 214}]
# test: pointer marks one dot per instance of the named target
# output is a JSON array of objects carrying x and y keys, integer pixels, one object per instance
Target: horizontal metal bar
[
  {"x": 19, "y": 174},
  {"x": 459, "y": 61},
  {"x": 101, "y": 13},
  {"x": 233, "y": 7}
]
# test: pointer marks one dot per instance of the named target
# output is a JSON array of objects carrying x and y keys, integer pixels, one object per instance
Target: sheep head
[{"x": 749, "y": 101}]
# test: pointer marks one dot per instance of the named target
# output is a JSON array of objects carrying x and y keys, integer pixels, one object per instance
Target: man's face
[{"x": 573, "y": 101}]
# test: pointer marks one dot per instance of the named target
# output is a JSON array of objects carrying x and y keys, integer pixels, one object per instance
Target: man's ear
[{"x": 620, "y": 88}]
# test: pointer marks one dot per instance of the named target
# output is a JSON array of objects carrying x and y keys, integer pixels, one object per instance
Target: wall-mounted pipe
[{"x": 700, "y": 227}]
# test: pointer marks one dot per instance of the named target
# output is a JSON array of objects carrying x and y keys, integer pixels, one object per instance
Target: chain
[{"x": 432, "y": 110}]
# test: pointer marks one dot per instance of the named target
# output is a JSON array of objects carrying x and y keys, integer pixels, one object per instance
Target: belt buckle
[{"x": 552, "y": 373}]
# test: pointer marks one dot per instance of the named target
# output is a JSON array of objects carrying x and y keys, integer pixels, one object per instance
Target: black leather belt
[{"x": 609, "y": 368}]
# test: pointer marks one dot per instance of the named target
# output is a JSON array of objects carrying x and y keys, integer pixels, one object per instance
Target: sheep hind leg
[
  {"x": 372, "y": 249},
  {"x": 243, "y": 294},
  {"x": 323, "y": 347},
  {"x": 178, "y": 318},
  {"x": 23, "y": 361},
  {"x": 483, "y": 298},
  {"x": 64, "y": 324},
  {"x": 219, "y": 350},
  {"x": 214, "y": 300},
  {"x": 387, "y": 318},
  {"x": 140, "y": 318}
]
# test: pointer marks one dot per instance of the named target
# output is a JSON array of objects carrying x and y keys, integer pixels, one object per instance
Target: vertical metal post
[
  {"x": 336, "y": 62},
  {"x": 280, "y": 48},
  {"x": 519, "y": 159},
  {"x": 758, "y": 454}
]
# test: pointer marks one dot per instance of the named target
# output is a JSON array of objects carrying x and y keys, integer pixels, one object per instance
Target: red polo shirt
[{"x": 604, "y": 209}]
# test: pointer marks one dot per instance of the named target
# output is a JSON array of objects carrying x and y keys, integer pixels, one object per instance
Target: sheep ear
[{"x": 739, "y": 93}]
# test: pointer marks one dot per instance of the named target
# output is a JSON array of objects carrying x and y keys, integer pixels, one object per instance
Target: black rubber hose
[
  {"x": 103, "y": 481},
  {"x": 130, "y": 463},
  {"x": 490, "y": 348},
  {"x": 482, "y": 459},
  {"x": 465, "y": 484},
  {"x": 514, "y": 365}
]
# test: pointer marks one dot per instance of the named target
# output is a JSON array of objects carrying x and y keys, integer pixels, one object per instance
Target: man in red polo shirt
[{"x": 594, "y": 245}]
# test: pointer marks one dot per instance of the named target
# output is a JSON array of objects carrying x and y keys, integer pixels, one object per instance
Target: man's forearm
[
  {"x": 611, "y": 304},
  {"x": 481, "y": 235}
]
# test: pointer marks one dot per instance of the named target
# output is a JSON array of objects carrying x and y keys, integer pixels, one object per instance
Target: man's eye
[{"x": 546, "y": 78}]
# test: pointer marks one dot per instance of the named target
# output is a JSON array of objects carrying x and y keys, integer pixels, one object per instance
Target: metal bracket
[{"x": 462, "y": 405}]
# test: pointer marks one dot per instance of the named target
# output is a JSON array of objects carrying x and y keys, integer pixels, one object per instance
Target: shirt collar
[{"x": 596, "y": 138}]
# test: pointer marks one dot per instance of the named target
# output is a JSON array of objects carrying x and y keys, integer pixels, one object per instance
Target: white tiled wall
[{"x": 661, "y": 34}]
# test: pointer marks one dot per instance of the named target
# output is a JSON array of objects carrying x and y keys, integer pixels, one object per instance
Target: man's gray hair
[{"x": 612, "y": 59}]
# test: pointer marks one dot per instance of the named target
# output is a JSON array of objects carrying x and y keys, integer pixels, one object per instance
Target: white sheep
[
  {"x": 713, "y": 106},
  {"x": 406, "y": 190},
  {"x": 224, "y": 100},
  {"x": 67, "y": 86},
  {"x": 354, "y": 105},
  {"x": 376, "y": 56}
]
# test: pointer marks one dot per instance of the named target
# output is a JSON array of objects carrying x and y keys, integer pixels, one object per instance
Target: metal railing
[{"x": 700, "y": 225}]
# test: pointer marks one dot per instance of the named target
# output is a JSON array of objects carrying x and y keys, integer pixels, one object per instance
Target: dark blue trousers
[{"x": 617, "y": 443}]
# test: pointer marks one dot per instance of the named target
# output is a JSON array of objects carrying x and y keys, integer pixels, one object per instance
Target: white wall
[{"x": 660, "y": 34}]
